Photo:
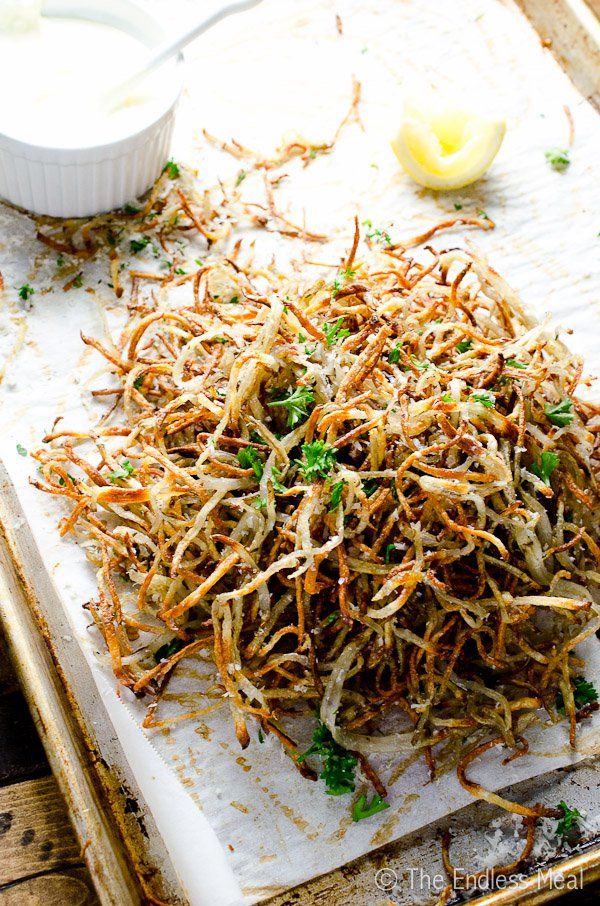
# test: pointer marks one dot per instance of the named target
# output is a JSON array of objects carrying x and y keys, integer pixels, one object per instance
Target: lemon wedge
[{"x": 446, "y": 148}]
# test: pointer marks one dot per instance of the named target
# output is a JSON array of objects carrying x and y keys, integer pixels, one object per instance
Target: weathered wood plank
[
  {"x": 72, "y": 886},
  {"x": 35, "y": 833},
  {"x": 22, "y": 756}
]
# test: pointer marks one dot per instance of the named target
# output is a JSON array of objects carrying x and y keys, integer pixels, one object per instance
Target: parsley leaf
[
  {"x": 248, "y": 458},
  {"x": 457, "y": 206},
  {"x": 277, "y": 485},
  {"x": 296, "y": 404},
  {"x": 421, "y": 366},
  {"x": 240, "y": 178},
  {"x": 370, "y": 486},
  {"x": 138, "y": 245},
  {"x": 319, "y": 459},
  {"x": 25, "y": 292},
  {"x": 448, "y": 398},
  {"x": 484, "y": 397},
  {"x": 584, "y": 693},
  {"x": 341, "y": 278},
  {"x": 172, "y": 169},
  {"x": 78, "y": 280},
  {"x": 378, "y": 235},
  {"x": 260, "y": 503},
  {"x": 545, "y": 466},
  {"x": 338, "y": 763},
  {"x": 139, "y": 382},
  {"x": 123, "y": 471},
  {"x": 464, "y": 346},
  {"x": 21, "y": 450},
  {"x": 336, "y": 495},
  {"x": 558, "y": 158},
  {"x": 570, "y": 818},
  {"x": 512, "y": 363},
  {"x": 389, "y": 550},
  {"x": 363, "y": 809},
  {"x": 561, "y": 414},
  {"x": 334, "y": 331},
  {"x": 394, "y": 354},
  {"x": 168, "y": 650}
]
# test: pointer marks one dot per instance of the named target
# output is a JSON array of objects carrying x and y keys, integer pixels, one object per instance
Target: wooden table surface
[{"x": 40, "y": 859}]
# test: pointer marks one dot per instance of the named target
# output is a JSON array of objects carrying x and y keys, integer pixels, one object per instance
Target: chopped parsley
[
  {"x": 561, "y": 414},
  {"x": 60, "y": 261},
  {"x": 234, "y": 300},
  {"x": 569, "y": 819},
  {"x": 78, "y": 280},
  {"x": 331, "y": 618},
  {"x": 296, "y": 404},
  {"x": 390, "y": 549},
  {"x": 248, "y": 458},
  {"x": 172, "y": 169},
  {"x": 464, "y": 346},
  {"x": 545, "y": 466},
  {"x": 484, "y": 397},
  {"x": 261, "y": 737},
  {"x": 21, "y": 450},
  {"x": 25, "y": 292},
  {"x": 260, "y": 503},
  {"x": 277, "y": 485},
  {"x": 512, "y": 363},
  {"x": 584, "y": 693},
  {"x": 336, "y": 495},
  {"x": 363, "y": 809},
  {"x": 138, "y": 245},
  {"x": 338, "y": 763},
  {"x": 123, "y": 471},
  {"x": 240, "y": 178},
  {"x": 334, "y": 331},
  {"x": 457, "y": 206},
  {"x": 448, "y": 398},
  {"x": 341, "y": 278},
  {"x": 131, "y": 209},
  {"x": 558, "y": 158},
  {"x": 394, "y": 354},
  {"x": 381, "y": 236},
  {"x": 421, "y": 365},
  {"x": 139, "y": 382},
  {"x": 168, "y": 650},
  {"x": 370, "y": 486},
  {"x": 319, "y": 459}
]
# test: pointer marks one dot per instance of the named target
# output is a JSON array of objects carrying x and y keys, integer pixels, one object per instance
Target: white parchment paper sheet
[{"x": 240, "y": 826}]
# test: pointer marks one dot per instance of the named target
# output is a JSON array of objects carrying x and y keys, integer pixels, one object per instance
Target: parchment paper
[{"x": 241, "y": 826}]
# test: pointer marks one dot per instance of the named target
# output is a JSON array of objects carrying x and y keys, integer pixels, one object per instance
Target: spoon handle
[{"x": 168, "y": 49}]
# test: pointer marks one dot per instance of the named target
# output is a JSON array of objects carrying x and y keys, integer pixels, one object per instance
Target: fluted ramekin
[{"x": 79, "y": 182}]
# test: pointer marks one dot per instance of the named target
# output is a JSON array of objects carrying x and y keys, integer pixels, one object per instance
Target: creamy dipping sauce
[{"x": 54, "y": 73}]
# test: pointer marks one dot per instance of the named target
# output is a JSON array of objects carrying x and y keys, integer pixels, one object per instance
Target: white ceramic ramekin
[{"x": 79, "y": 182}]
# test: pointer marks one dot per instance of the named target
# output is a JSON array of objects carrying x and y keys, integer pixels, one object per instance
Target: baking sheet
[{"x": 240, "y": 826}]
